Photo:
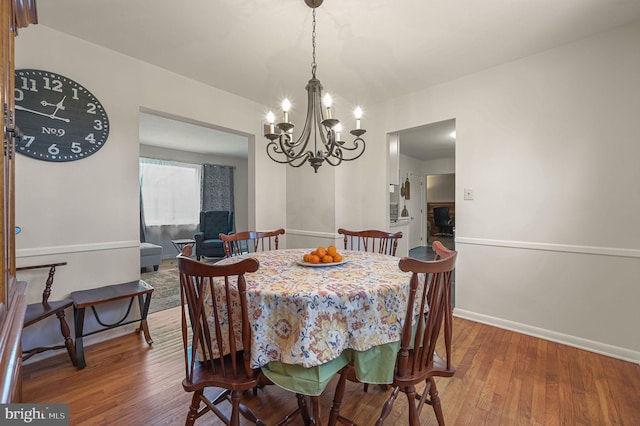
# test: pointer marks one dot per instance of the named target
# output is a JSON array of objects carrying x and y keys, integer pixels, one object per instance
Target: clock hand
[
  {"x": 58, "y": 106},
  {"x": 41, "y": 113}
]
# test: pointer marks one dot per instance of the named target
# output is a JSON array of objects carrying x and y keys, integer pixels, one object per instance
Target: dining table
[{"x": 308, "y": 321}]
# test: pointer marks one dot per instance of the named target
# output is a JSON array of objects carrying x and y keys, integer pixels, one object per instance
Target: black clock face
[{"x": 60, "y": 119}]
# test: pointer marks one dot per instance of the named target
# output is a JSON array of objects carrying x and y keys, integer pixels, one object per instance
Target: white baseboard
[{"x": 576, "y": 342}]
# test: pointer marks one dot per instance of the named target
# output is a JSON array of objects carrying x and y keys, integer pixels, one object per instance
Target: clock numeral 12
[{"x": 56, "y": 86}]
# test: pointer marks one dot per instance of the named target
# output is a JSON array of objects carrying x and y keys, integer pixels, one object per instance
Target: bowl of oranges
[{"x": 322, "y": 256}]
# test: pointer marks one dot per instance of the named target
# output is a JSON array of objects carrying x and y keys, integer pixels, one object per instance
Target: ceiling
[
  {"x": 367, "y": 51},
  {"x": 187, "y": 136},
  {"x": 433, "y": 141}
]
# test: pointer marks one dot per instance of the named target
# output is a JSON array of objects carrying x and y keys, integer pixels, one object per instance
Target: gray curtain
[
  {"x": 217, "y": 187},
  {"x": 143, "y": 225}
]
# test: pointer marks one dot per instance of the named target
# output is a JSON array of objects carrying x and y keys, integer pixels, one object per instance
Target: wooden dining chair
[
  {"x": 373, "y": 241},
  {"x": 250, "y": 242},
  {"x": 204, "y": 330},
  {"x": 37, "y": 312},
  {"x": 417, "y": 360}
]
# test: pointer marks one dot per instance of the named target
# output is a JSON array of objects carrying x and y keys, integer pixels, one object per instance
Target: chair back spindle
[
  {"x": 250, "y": 242},
  {"x": 373, "y": 241}
]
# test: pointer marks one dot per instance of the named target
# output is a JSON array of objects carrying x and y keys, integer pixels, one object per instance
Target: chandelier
[{"x": 320, "y": 139}]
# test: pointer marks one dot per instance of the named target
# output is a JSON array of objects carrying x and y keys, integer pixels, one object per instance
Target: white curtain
[{"x": 170, "y": 192}]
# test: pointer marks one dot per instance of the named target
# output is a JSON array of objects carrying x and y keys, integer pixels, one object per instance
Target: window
[{"x": 170, "y": 192}]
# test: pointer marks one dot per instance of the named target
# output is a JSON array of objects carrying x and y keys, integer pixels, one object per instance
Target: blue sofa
[{"x": 150, "y": 256}]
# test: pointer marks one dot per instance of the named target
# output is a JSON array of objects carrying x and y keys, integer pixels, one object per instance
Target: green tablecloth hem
[
  {"x": 376, "y": 365},
  {"x": 372, "y": 366},
  {"x": 308, "y": 381}
]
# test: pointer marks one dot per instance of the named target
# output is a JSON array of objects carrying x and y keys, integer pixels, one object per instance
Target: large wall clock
[{"x": 60, "y": 120}]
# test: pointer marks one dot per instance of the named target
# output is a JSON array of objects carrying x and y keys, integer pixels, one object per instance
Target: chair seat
[
  {"x": 203, "y": 377},
  {"x": 37, "y": 311},
  {"x": 214, "y": 243},
  {"x": 439, "y": 369}
]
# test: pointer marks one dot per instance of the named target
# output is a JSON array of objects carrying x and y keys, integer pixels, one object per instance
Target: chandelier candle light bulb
[
  {"x": 337, "y": 128},
  {"x": 286, "y": 105},
  {"x": 327, "y": 103},
  {"x": 358, "y": 114},
  {"x": 320, "y": 138},
  {"x": 271, "y": 119}
]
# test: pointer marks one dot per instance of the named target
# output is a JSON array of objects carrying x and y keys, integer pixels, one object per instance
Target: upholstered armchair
[{"x": 212, "y": 224}]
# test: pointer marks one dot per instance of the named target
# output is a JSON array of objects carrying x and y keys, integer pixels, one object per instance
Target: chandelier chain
[{"x": 313, "y": 45}]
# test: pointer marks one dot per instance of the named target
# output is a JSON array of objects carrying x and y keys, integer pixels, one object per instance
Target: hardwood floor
[{"x": 502, "y": 378}]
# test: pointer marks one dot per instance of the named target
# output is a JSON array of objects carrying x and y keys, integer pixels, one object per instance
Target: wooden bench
[
  {"x": 47, "y": 308},
  {"x": 97, "y": 296}
]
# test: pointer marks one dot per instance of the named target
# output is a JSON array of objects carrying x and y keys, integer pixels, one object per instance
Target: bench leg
[
  {"x": 144, "y": 301},
  {"x": 66, "y": 333},
  {"x": 78, "y": 314}
]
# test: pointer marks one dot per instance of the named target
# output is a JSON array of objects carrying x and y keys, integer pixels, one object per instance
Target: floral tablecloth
[{"x": 309, "y": 315}]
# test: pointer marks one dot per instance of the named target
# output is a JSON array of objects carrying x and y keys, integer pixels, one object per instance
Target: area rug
[{"x": 166, "y": 286}]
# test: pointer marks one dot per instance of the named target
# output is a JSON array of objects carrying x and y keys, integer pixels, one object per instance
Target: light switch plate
[{"x": 468, "y": 193}]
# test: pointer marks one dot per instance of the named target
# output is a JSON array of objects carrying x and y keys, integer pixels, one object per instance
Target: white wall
[
  {"x": 550, "y": 244},
  {"x": 441, "y": 188},
  {"x": 86, "y": 212},
  {"x": 440, "y": 166}
]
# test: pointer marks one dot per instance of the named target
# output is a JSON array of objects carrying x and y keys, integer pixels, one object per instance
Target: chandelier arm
[
  {"x": 332, "y": 145},
  {"x": 308, "y": 120},
  {"x": 336, "y": 158},
  {"x": 356, "y": 146},
  {"x": 273, "y": 147},
  {"x": 288, "y": 148},
  {"x": 320, "y": 127}
]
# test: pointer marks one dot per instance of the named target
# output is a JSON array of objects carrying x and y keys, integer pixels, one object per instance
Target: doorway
[
  {"x": 424, "y": 150},
  {"x": 441, "y": 196}
]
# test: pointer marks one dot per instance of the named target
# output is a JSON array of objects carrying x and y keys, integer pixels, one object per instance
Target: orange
[
  {"x": 337, "y": 258},
  {"x": 321, "y": 251},
  {"x": 327, "y": 259},
  {"x": 314, "y": 253},
  {"x": 314, "y": 259},
  {"x": 332, "y": 250},
  {"x": 306, "y": 258}
]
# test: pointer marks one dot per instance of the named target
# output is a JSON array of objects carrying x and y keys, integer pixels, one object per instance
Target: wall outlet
[{"x": 468, "y": 193}]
